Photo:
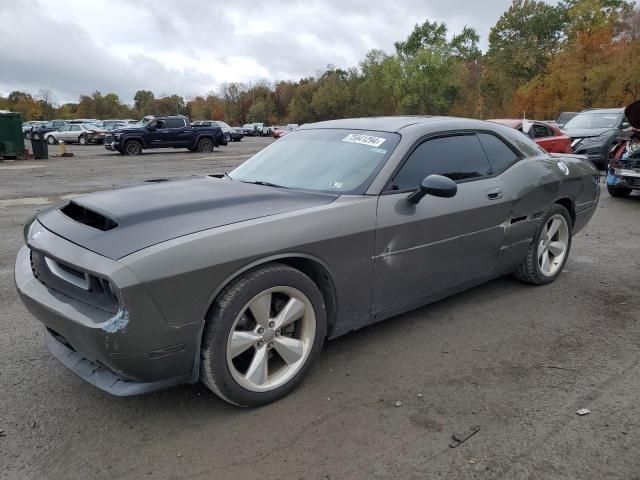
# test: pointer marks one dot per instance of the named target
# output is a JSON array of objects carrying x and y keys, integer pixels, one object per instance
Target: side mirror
[
  {"x": 625, "y": 125},
  {"x": 435, "y": 185}
]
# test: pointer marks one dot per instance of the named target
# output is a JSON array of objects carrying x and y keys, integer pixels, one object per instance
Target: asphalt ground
[{"x": 513, "y": 362}]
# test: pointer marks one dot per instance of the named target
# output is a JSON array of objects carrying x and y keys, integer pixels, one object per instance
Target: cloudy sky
[{"x": 190, "y": 47}]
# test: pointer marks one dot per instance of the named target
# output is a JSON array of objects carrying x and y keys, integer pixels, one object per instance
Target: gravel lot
[{"x": 514, "y": 360}]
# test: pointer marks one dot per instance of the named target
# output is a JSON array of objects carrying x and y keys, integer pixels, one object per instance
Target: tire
[
  {"x": 205, "y": 145},
  {"x": 231, "y": 375},
  {"x": 619, "y": 192},
  {"x": 533, "y": 268},
  {"x": 132, "y": 147},
  {"x": 82, "y": 140},
  {"x": 28, "y": 135},
  {"x": 51, "y": 140}
]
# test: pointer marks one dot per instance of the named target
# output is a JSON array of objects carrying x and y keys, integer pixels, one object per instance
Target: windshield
[
  {"x": 331, "y": 161},
  {"x": 594, "y": 120}
]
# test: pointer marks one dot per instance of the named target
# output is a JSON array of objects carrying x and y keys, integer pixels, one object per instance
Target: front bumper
[
  {"x": 130, "y": 352},
  {"x": 112, "y": 144},
  {"x": 597, "y": 153}
]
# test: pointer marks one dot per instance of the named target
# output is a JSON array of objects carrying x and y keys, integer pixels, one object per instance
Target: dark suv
[
  {"x": 164, "y": 132},
  {"x": 597, "y": 132}
]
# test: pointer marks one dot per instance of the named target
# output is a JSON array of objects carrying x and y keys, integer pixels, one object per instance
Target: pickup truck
[{"x": 164, "y": 132}]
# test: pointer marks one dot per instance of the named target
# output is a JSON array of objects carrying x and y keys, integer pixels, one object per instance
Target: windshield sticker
[
  {"x": 369, "y": 140},
  {"x": 378, "y": 150},
  {"x": 336, "y": 185}
]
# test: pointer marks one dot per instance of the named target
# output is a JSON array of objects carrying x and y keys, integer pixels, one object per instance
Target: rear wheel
[
  {"x": 132, "y": 147},
  {"x": 205, "y": 145},
  {"x": 619, "y": 192},
  {"x": 549, "y": 249},
  {"x": 262, "y": 335},
  {"x": 51, "y": 140}
]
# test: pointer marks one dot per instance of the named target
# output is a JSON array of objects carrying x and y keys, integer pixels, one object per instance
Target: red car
[{"x": 547, "y": 136}]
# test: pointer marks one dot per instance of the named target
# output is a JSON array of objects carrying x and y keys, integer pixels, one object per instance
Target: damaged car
[
  {"x": 237, "y": 280},
  {"x": 623, "y": 173}
]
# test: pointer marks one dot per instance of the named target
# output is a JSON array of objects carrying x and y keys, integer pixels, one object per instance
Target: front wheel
[
  {"x": 82, "y": 140},
  {"x": 132, "y": 147},
  {"x": 619, "y": 192},
  {"x": 51, "y": 140},
  {"x": 205, "y": 145},
  {"x": 549, "y": 249},
  {"x": 28, "y": 135},
  {"x": 262, "y": 335}
]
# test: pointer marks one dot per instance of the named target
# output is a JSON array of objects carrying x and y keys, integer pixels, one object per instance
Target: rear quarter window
[{"x": 500, "y": 155}]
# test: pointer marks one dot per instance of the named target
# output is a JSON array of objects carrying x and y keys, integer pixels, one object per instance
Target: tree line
[{"x": 541, "y": 59}]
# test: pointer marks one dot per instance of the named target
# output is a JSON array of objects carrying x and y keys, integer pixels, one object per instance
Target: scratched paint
[{"x": 118, "y": 323}]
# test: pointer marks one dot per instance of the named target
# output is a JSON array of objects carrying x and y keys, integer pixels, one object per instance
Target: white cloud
[{"x": 190, "y": 47}]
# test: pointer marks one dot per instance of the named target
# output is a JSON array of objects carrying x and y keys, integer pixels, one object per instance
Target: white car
[{"x": 76, "y": 133}]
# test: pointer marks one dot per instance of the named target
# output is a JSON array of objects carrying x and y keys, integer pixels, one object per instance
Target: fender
[{"x": 195, "y": 371}]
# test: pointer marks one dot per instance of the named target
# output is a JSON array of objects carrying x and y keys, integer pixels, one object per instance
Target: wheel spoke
[
  {"x": 290, "y": 349},
  {"x": 556, "y": 248},
  {"x": 292, "y": 311},
  {"x": 553, "y": 228},
  {"x": 261, "y": 309},
  {"x": 258, "y": 370},
  {"x": 541, "y": 249},
  {"x": 241, "y": 341},
  {"x": 545, "y": 262}
]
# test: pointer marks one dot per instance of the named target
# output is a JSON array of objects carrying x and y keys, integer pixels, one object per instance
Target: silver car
[
  {"x": 76, "y": 133},
  {"x": 238, "y": 280}
]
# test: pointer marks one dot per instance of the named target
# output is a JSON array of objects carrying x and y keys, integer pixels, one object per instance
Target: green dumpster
[{"x": 11, "y": 141}]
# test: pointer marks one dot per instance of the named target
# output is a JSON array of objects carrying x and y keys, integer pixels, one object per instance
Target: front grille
[
  {"x": 72, "y": 282},
  {"x": 634, "y": 181}
]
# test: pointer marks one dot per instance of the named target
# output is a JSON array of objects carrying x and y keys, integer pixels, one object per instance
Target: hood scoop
[{"x": 88, "y": 217}]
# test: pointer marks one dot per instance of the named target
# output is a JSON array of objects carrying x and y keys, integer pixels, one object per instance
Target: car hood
[
  {"x": 585, "y": 132},
  {"x": 127, "y": 130},
  {"x": 116, "y": 223}
]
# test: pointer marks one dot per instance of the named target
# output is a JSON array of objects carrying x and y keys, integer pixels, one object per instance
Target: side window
[
  {"x": 541, "y": 131},
  {"x": 459, "y": 157},
  {"x": 161, "y": 124},
  {"x": 65, "y": 128},
  {"x": 175, "y": 123},
  {"x": 75, "y": 128},
  {"x": 499, "y": 154}
]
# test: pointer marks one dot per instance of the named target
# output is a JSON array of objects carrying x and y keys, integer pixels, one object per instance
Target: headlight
[{"x": 594, "y": 140}]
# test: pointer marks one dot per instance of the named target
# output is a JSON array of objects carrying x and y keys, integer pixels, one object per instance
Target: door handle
[{"x": 494, "y": 193}]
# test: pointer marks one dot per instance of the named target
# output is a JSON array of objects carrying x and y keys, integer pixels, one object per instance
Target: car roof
[
  {"x": 510, "y": 122},
  {"x": 604, "y": 110},
  {"x": 392, "y": 124}
]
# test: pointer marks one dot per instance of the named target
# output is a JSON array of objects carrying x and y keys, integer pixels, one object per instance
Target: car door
[
  {"x": 440, "y": 244},
  {"x": 159, "y": 134},
  {"x": 179, "y": 132},
  {"x": 60, "y": 134},
  {"x": 74, "y": 133}
]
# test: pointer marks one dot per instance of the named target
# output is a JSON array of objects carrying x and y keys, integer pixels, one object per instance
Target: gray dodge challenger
[{"x": 237, "y": 280}]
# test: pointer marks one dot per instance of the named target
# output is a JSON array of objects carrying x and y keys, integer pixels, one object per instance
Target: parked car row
[{"x": 231, "y": 134}]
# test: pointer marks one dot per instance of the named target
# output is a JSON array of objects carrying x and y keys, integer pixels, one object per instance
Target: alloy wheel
[
  {"x": 271, "y": 339},
  {"x": 552, "y": 248}
]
